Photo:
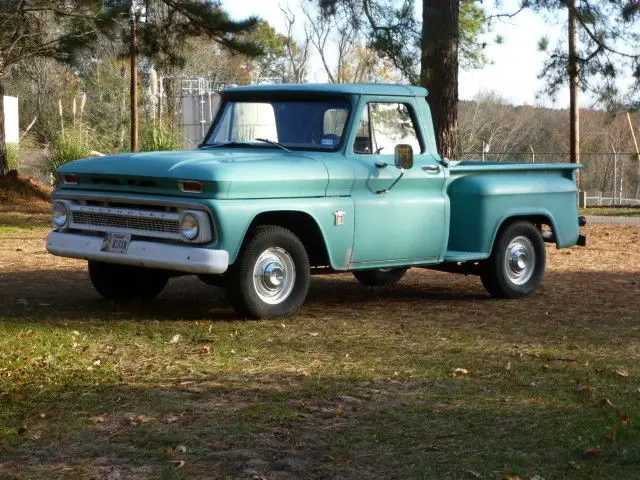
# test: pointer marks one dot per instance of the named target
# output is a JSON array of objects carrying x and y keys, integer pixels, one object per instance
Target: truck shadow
[{"x": 68, "y": 294}]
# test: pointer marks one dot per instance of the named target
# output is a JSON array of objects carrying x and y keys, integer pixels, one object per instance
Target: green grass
[
  {"x": 360, "y": 385},
  {"x": 17, "y": 223},
  {"x": 612, "y": 211}
]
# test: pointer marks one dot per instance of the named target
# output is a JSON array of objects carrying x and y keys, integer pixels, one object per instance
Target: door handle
[{"x": 431, "y": 169}]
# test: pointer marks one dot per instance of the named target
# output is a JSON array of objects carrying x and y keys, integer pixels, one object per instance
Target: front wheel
[
  {"x": 271, "y": 276},
  {"x": 126, "y": 282},
  {"x": 380, "y": 276},
  {"x": 517, "y": 263}
]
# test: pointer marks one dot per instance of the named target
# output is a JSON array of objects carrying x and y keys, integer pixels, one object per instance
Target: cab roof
[{"x": 335, "y": 88}]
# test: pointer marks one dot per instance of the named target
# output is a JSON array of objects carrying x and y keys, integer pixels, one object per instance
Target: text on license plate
[{"x": 116, "y": 242}]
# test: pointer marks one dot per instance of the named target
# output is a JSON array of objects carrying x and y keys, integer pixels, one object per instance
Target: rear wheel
[
  {"x": 271, "y": 276},
  {"x": 380, "y": 276},
  {"x": 517, "y": 263},
  {"x": 126, "y": 282}
]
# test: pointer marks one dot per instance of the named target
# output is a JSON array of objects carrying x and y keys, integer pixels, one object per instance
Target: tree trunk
[
  {"x": 439, "y": 70},
  {"x": 574, "y": 112},
  {"x": 4, "y": 159}
]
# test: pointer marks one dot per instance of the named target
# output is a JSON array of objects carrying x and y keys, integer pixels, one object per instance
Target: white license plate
[{"x": 116, "y": 242}]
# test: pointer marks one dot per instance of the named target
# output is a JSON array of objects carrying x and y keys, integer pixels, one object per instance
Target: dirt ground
[{"x": 606, "y": 272}]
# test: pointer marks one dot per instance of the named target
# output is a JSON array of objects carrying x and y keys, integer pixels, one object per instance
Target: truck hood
[{"x": 224, "y": 173}]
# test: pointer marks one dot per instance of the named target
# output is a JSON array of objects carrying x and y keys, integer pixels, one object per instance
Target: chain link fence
[{"x": 608, "y": 178}]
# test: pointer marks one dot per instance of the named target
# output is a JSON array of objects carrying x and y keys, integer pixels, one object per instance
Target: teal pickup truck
[{"x": 293, "y": 180}]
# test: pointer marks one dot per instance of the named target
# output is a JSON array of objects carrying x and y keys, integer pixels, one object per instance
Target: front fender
[{"x": 234, "y": 217}]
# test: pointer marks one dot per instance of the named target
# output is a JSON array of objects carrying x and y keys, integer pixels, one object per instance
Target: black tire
[
  {"x": 278, "y": 251},
  {"x": 517, "y": 262},
  {"x": 380, "y": 276},
  {"x": 125, "y": 283}
]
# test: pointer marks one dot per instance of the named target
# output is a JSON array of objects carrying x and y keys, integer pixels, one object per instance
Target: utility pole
[
  {"x": 133, "y": 93},
  {"x": 574, "y": 112}
]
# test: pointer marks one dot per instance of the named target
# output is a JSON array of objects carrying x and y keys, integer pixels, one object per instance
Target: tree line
[{"x": 55, "y": 55}]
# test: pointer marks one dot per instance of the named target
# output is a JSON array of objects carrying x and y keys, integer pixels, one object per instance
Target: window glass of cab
[
  {"x": 307, "y": 125},
  {"x": 385, "y": 125},
  {"x": 245, "y": 122}
]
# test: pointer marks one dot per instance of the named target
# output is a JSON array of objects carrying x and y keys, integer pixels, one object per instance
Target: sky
[{"x": 514, "y": 65}]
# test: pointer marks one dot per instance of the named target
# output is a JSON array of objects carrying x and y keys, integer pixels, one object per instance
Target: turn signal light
[
  {"x": 71, "y": 179},
  {"x": 191, "y": 186}
]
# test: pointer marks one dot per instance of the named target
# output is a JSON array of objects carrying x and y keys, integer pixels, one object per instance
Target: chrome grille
[
  {"x": 126, "y": 222},
  {"x": 136, "y": 221}
]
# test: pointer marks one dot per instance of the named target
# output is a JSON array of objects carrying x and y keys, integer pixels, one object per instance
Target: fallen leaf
[
  {"x": 179, "y": 464},
  {"x": 206, "y": 349},
  {"x": 624, "y": 419},
  {"x": 175, "y": 338},
  {"x": 97, "y": 362},
  {"x": 170, "y": 419},
  {"x": 459, "y": 371},
  {"x": 594, "y": 452},
  {"x": 75, "y": 332},
  {"x": 605, "y": 402},
  {"x": 473, "y": 474},
  {"x": 114, "y": 475},
  {"x": 622, "y": 373},
  {"x": 98, "y": 419},
  {"x": 610, "y": 435},
  {"x": 339, "y": 411},
  {"x": 180, "y": 449},
  {"x": 138, "y": 420},
  {"x": 22, "y": 429},
  {"x": 574, "y": 465},
  {"x": 584, "y": 388}
]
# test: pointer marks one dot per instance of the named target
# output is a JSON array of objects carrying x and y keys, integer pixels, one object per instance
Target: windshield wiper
[
  {"x": 271, "y": 142},
  {"x": 225, "y": 144}
]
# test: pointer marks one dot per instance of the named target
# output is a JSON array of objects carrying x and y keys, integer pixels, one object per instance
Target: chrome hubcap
[
  {"x": 274, "y": 275},
  {"x": 519, "y": 261}
]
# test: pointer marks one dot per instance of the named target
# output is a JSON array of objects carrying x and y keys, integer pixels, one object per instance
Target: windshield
[{"x": 304, "y": 125}]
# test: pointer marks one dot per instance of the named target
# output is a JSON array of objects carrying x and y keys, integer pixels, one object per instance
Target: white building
[{"x": 11, "y": 120}]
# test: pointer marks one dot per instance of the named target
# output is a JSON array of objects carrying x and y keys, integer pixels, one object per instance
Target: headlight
[
  {"x": 189, "y": 226},
  {"x": 59, "y": 214}
]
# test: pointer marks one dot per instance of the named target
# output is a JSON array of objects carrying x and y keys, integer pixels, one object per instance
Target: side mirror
[{"x": 404, "y": 156}]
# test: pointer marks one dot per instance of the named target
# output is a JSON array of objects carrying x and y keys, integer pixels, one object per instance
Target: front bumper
[{"x": 189, "y": 259}]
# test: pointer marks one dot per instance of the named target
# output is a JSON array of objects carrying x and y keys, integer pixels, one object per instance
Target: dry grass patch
[
  {"x": 427, "y": 379},
  {"x": 612, "y": 211}
]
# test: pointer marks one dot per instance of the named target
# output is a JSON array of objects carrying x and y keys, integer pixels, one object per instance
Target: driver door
[{"x": 405, "y": 225}]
